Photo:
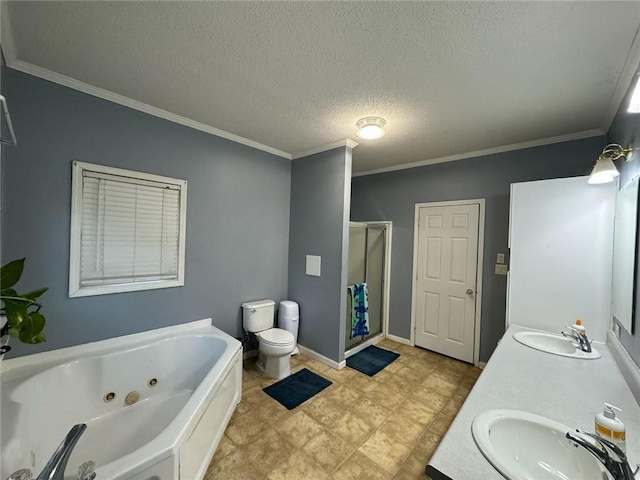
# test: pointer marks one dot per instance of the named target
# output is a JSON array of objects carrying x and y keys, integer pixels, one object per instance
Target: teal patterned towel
[{"x": 359, "y": 309}]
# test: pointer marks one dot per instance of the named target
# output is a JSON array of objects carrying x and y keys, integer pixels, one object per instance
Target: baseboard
[
  {"x": 249, "y": 354},
  {"x": 321, "y": 358},
  {"x": 481, "y": 365},
  {"x": 625, "y": 363},
  {"x": 404, "y": 341},
  {"x": 370, "y": 341}
]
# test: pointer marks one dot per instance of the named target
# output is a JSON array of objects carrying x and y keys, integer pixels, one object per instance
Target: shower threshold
[{"x": 372, "y": 340}]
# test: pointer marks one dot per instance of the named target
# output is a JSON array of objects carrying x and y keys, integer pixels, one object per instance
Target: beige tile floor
[{"x": 371, "y": 428}]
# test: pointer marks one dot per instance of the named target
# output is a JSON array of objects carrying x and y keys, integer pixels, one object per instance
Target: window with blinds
[{"x": 127, "y": 232}]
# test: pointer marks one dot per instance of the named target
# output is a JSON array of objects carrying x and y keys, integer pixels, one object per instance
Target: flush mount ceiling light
[
  {"x": 604, "y": 171},
  {"x": 371, "y": 128}
]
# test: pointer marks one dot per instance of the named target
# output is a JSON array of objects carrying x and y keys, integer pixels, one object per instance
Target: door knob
[{"x": 469, "y": 291}]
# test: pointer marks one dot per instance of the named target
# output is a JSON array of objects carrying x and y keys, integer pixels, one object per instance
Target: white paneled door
[{"x": 446, "y": 261}]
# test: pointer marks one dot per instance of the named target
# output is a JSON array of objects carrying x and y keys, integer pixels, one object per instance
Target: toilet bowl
[
  {"x": 274, "y": 348},
  {"x": 274, "y": 344}
]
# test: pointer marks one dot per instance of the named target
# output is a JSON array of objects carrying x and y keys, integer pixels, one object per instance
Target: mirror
[{"x": 624, "y": 253}]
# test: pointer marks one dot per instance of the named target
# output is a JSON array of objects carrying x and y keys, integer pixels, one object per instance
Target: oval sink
[
  {"x": 525, "y": 446},
  {"x": 555, "y": 344}
]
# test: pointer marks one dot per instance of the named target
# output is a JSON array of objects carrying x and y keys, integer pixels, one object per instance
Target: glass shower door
[{"x": 366, "y": 264}]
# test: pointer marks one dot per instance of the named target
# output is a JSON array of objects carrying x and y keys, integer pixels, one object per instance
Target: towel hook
[{"x": 5, "y": 110}]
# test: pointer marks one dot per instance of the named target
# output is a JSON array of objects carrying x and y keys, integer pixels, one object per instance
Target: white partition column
[{"x": 561, "y": 248}]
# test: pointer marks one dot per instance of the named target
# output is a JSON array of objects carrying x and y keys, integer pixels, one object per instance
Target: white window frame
[{"x": 75, "y": 290}]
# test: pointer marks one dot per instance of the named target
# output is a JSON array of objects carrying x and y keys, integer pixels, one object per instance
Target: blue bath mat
[
  {"x": 297, "y": 388},
  {"x": 371, "y": 360}
]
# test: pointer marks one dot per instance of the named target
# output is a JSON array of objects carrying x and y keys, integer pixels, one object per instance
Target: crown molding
[
  {"x": 351, "y": 143},
  {"x": 488, "y": 151},
  {"x": 66, "y": 81},
  {"x": 345, "y": 142},
  {"x": 629, "y": 70},
  {"x": 6, "y": 36}
]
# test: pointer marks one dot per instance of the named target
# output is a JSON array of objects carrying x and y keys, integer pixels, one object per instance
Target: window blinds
[{"x": 130, "y": 230}]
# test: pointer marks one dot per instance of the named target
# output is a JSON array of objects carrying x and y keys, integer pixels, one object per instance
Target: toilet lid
[{"x": 276, "y": 336}]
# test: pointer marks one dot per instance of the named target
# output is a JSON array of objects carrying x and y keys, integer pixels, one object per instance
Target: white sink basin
[
  {"x": 555, "y": 344},
  {"x": 524, "y": 446}
]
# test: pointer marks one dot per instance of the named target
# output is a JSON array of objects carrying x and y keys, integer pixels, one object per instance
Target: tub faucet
[
  {"x": 607, "y": 453},
  {"x": 580, "y": 337},
  {"x": 57, "y": 464}
]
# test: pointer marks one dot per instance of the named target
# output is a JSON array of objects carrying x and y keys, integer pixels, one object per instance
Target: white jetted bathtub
[{"x": 187, "y": 380}]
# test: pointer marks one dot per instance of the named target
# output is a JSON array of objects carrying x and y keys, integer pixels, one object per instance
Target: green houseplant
[{"x": 22, "y": 310}]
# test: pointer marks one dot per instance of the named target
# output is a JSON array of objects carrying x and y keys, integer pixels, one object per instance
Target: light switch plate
[
  {"x": 501, "y": 269},
  {"x": 313, "y": 265},
  {"x": 500, "y": 258}
]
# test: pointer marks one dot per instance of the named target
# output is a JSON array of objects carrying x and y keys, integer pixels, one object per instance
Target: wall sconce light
[
  {"x": 371, "y": 128},
  {"x": 604, "y": 171}
]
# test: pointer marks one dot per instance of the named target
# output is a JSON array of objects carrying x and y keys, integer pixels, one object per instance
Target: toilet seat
[{"x": 276, "y": 337}]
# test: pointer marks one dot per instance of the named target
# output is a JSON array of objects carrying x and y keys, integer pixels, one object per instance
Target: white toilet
[{"x": 275, "y": 344}]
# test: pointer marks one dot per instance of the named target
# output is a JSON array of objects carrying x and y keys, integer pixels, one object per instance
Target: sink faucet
[
  {"x": 608, "y": 453},
  {"x": 57, "y": 464},
  {"x": 580, "y": 337}
]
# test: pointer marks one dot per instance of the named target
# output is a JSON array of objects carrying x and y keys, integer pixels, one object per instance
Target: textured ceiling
[{"x": 449, "y": 77}]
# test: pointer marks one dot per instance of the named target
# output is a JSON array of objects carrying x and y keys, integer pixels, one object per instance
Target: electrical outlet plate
[
  {"x": 500, "y": 258},
  {"x": 501, "y": 269},
  {"x": 616, "y": 330}
]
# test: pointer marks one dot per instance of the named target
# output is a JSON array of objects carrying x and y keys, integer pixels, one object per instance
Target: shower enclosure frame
[{"x": 386, "y": 286}]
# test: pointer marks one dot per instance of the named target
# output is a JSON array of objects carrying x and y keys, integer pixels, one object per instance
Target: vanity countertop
[{"x": 568, "y": 390}]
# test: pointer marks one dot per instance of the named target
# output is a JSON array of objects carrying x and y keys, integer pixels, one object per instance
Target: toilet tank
[{"x": 258, "y": 316}]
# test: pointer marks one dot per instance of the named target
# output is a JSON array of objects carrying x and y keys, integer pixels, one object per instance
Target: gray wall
[
  {"x": 237, "y": 212},
  {"x": 319, "y": 224},
  {"x": 626, "y": 130},
  {"x": 392, "y": 196}
]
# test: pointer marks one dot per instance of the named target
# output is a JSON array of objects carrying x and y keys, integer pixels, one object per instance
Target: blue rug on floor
[
  {"x": 297, "y": 388},
  {"x": 371, "y": 360}
]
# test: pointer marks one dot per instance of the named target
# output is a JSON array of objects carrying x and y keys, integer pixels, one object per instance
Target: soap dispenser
[
  {"x": 610, "y": 427},
  {"x": 579, "y": 327}
]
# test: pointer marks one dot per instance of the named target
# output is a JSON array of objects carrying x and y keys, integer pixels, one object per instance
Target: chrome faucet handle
[
  {"x": 579, "y": 337},
  {"x": 571, "y": 331},
  {"x": 588, "y": 442},
  {"x": 22, "y": 474},
  {"x": 609, "y": 446},
  {"x": 86, "y": 471},
  {"x": 607, "y": 452}
]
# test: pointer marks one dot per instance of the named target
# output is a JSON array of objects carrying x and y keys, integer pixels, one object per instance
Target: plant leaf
[
  {"x": 38, "y": 338},
  {"x": 16, "y": 312},
  {"x": 34, "y": 293},
  {"x": 8, "y": 292},
  {"x": 38, "y": 322},
  {"x": 32, "y": 328},
  {"x": 11, "y": 273},
  {"x": 26, "y": 330}
]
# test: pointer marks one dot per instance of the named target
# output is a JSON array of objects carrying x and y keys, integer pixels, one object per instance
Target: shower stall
[{"x": 367, "y": 264}]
